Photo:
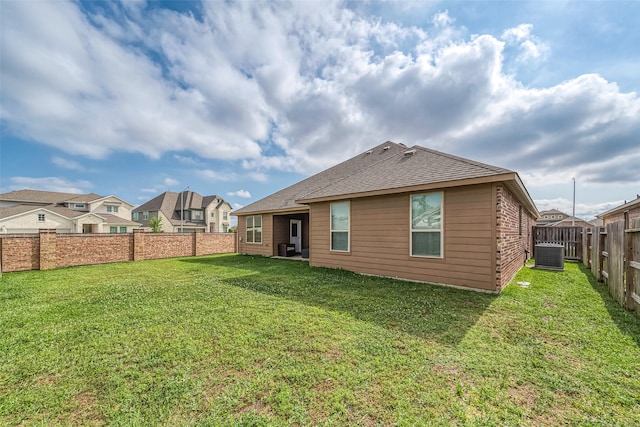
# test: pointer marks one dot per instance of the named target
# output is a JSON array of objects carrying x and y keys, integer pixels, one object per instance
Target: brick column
[
  {"x": 198, "y": 243},
  {"x": 138, "y": 245},
  {"x": 48, "y": 246}
]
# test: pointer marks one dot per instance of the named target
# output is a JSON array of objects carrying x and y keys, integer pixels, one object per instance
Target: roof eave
[
  {"x": 297, "y": 209},
  {"x": 419, "y": 187}
]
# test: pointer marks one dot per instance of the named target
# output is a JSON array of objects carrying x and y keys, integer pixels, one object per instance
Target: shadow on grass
[
  {"x": 627, "y": 322},
  {"x": 433, "y": 312}
]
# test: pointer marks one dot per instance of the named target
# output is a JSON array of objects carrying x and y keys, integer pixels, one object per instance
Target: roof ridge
[
  {"x": 462, "y": 159},
  {"x": 351, "y": 173}
]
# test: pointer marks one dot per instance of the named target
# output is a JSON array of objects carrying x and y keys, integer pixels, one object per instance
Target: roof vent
[
  {"x": 385, "y": 148},
  {"x": 409, "y": 153},
  {"x": 369, "y": 152}
]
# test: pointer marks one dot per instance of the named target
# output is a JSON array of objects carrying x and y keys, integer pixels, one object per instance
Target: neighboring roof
[
  {"x": 632, "y": 204},
  {"x": 18, "y": 210},
  {"x": 553, "y": 212},
  {"x": 38, "y": 196},
  {"x": 385, "y": 171},
  {"x": 579, "y": 222},
  {"x": 52, "y": 197},
  {"x": 170, "y": 204}
]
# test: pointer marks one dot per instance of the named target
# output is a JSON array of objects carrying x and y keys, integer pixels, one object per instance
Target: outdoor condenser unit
[{"x": 549, "y": 256}]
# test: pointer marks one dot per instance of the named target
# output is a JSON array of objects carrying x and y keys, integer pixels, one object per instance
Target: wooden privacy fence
[
  {"x": 613, "y": 255},
  {"x": 569, "y": 237}
]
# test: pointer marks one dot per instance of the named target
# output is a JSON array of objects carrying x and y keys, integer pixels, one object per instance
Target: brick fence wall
[{"x": 48, "y": 249}]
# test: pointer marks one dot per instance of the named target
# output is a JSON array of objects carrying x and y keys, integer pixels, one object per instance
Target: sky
[{"x": 241, "y": 99}]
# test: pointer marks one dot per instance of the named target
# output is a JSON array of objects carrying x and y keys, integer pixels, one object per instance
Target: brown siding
[
  {"x": 380, "y": 236},
  {"x": 266, "y": 247},
  {"x": 281, "y": 229},
  {"x": 514, "y": 236}
]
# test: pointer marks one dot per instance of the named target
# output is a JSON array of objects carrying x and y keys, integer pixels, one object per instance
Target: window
[
  {"x": 520, "y": 221},
  {"x": 213, "y": 214},
  {"x": 254, "y": 229},
  {"x": 225, "y": 229},
  {"x": 123, "y": 229},
  {"x": 426, "y": 225},
  {"x": 145, "y": 215},
  {"x": 113, "y": 229},
  {"x": 135, "y": 216},
  {"x": 41, "y": 217},
  {"x": 196, "y": 215},
  {"x": 340, "y": 226},
  {"x": 112, "y": 209},
  {"x": 224, "y": 215},
  {"x": 79, "y": 205}
]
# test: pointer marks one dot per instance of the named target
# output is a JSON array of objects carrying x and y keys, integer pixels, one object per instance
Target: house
[
  {"x": 27, "y": 211},
  {"x": 411, "y": 213},
  {"x": 188, "y": 211},
  {"x": 550, "y": 217},
  {"x": 627, "y": 210},
  {"x": 571, "y": 221}
]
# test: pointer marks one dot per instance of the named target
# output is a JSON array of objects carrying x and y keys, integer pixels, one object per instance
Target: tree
[{"x": 156, "y": 224}]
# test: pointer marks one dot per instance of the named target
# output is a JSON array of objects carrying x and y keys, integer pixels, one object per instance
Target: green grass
[{"x": 240, "y": 340}]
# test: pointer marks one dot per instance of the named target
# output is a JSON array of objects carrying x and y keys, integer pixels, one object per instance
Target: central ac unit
[{"x": 549, "y": 256}]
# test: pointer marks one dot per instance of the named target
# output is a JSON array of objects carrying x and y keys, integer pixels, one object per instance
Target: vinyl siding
[
  {"x": 380, "y": 239},
  {"x": 266, "y": 247}
]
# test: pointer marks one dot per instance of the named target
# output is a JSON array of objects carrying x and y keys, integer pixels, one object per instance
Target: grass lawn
[{"x": 240, "y": 340}]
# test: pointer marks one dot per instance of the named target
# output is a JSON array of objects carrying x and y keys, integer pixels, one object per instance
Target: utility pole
[
  {"x": 573, "y": 217},
  {"x": 182, "y": 209}
]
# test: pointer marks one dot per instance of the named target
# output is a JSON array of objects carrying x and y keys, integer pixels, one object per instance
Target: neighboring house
[
  {"x": 188, "y": 211},
  {"x": 410, "y": 213},
  {"x": 628, "y": 209},
  {"x": 570, "y": 221},
  {"x": 550, "y": 217},
  {"x": 27, "y": 211}
]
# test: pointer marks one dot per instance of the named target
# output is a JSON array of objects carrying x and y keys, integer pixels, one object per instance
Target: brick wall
[
  {"x": 77, "y": 249},
  {"x": 168, "y": 245},
  {"x": 20, "y": 252},
  {"x": 513, "y": 231},
  {"x": 634, "y": 212},
  {"x": 48, "y": 250}
]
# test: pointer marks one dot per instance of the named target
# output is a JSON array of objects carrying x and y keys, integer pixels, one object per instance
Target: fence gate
[{"x": 569, "y": 237}]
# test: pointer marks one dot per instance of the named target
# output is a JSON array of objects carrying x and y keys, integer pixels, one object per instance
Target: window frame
[
  {"x": 225, "y": 216},
  {"x": 123, "y": 229},
  {"x": 440, "y": 230},
  {"x": 332, "y": 230},
  {"x": 113, "y": 230},
  {"x": 253, "y": 229},
  {"x": 41, "y": 217}
]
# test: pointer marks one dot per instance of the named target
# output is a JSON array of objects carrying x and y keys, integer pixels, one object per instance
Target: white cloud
[
  {"x": 212, "y": 175},
  {"x": 170, "y": 182},
  {"x": 318, "y": 81},
  {"x": 50, "y": 183},
  {"x": 240, "y": 193},
  {"x": 67, "y": 163}
]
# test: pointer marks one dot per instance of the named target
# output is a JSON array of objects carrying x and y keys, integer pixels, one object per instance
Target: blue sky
[{"x": 241, "y": 99}]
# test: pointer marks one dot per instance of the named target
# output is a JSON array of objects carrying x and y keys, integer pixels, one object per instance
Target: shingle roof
[
  {"x": 622, "y": 207},
  {"x": 47, "y": 196},
  {"x": 285, "y": 198},
  {"x": 169, "y": 203},
  {"x": 414, "y": 166},
  {"x": 378, "y": 169}
]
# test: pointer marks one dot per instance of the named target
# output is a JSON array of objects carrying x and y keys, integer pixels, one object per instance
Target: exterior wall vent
[
  {"x": 549, "y": 256},
  {"x": 409, "y": 153},
  {"x": 385, "y": 148}
]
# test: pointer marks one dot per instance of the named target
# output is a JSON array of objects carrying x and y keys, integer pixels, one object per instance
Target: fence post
[
  {"x": 48, "y": 247},
  {"x": 138, "y": 245},
  {"x": 629, "y": 272},
  {"x": 601, "y": 247}
]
